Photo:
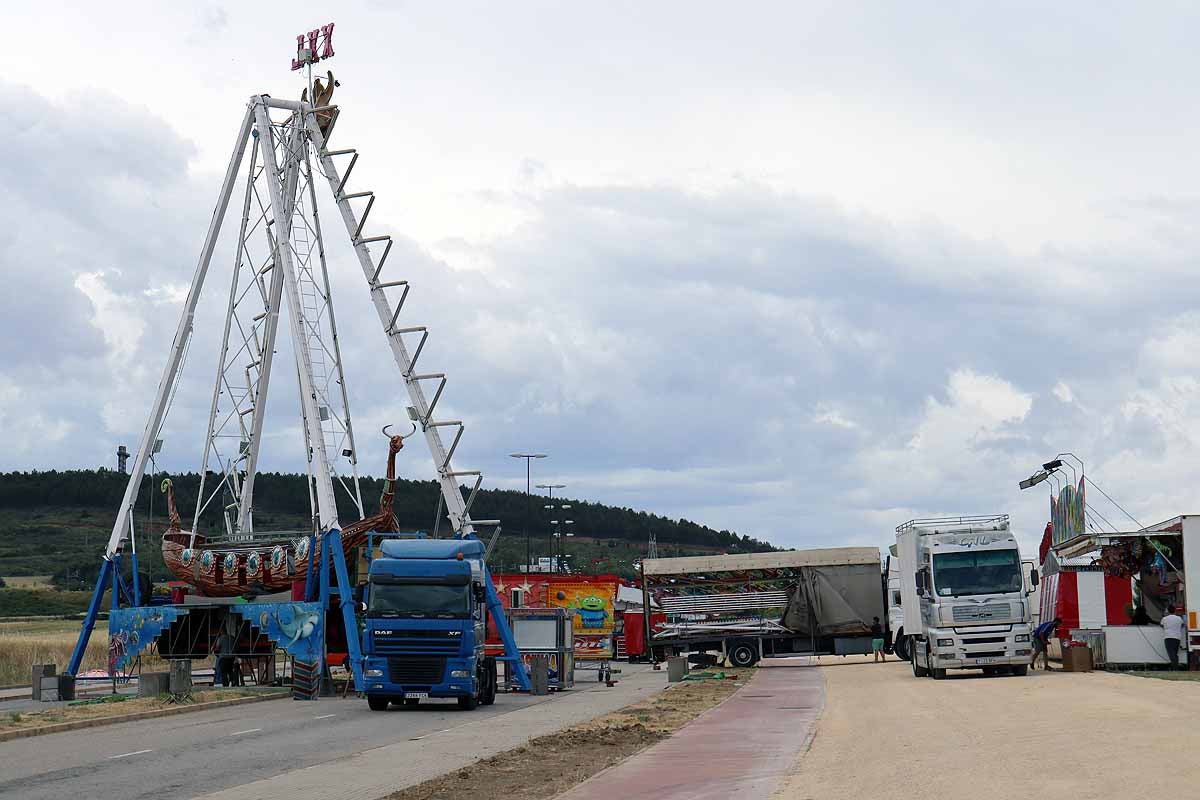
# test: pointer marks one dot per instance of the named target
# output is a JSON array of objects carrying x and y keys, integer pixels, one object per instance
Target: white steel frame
[{"x": 281, "y": 258}]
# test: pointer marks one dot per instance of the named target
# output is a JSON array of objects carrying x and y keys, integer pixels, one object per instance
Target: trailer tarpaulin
[{"x": 834, "y": 602}]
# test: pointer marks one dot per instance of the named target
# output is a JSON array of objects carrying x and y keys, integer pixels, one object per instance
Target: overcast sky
[{"x": 799, "y": 270}]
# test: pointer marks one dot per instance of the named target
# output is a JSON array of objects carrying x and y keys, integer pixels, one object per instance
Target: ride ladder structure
[{"x": 281, "y": 262}]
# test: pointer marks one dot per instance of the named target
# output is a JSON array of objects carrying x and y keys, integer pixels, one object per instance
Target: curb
[{"x": 63, "y": 727}]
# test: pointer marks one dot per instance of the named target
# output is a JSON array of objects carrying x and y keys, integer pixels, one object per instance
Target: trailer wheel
[
  {"x": 743, "y": 653},
  {"x": 918, "y": 670},
  {"x": 377, "y": 702}
]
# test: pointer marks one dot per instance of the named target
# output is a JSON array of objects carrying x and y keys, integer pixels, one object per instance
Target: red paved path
[{"x": 739, "y": 749}]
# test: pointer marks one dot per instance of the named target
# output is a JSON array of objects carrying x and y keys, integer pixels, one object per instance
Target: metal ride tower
[{"x": 280, "y": 261}]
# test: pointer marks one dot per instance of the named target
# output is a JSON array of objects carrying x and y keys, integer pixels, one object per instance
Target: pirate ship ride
[{"x": 266, "y": 562}]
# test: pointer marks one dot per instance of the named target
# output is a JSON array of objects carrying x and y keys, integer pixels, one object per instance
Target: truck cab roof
[{"x": 428, "y": 549}]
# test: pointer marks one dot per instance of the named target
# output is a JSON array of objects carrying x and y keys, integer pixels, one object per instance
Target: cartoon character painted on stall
[{"x": 591, "y": 612}]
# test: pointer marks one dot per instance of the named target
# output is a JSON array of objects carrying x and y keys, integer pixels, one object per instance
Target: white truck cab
[{"x": 963, "y": 596}]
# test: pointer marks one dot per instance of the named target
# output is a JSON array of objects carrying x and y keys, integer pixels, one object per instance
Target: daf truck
[
  {"x": 963, "y": 596},
  {"x": 426, "y": 614}
]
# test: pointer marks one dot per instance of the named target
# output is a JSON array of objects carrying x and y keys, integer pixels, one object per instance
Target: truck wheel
[
  {"x": 935, "y": 673},
  {"x": 1020, "y": 670},
  {"x": 488, "y": 695},
  {"x": 468, "y": 703},
  {"x": 918, "y": 670},
  {"x": 743, "y": 654},
  {"x": 901, "y": 647},
  {"x": 377, "y": 702}
]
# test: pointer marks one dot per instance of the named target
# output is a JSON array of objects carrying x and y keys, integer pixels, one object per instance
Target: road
[
  {"x": 1101, "y": 736},
  {"x": 264, "y": 744}
]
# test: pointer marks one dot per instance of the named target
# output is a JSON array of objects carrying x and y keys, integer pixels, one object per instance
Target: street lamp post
[
  {"x": 528, "y": 457},
  {"x": 551, "y": 487},
  {"x": 560, "y": 534}
]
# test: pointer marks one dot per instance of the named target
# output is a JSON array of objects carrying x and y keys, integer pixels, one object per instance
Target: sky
[{"x": 798, "y": 270}]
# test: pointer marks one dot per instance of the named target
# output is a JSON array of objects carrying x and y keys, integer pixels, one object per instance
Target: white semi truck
[{"x": 963, "y": 596}]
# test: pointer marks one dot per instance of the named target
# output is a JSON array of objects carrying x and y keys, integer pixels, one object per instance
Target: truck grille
[
  {"x": 417, "y": 642},
  {"x": 985, "y": 654},
  {"x": 410, "y": 670},
  {"x": 984, "y": 640},
  {"x": 983, "y": 612}
]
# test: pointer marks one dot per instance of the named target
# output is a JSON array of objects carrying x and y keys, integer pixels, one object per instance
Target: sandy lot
[{"x": 1093, "y": 735}]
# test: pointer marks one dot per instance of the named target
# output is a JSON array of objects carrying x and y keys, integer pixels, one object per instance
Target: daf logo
[
  {"x": 454, "y": 633},
  {"x": 381, "y": 633}
]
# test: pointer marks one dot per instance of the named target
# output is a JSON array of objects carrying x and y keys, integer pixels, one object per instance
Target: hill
[{"x": 56, "y": 523}]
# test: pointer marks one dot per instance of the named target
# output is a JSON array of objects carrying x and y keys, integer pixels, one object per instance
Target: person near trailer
[
  {"x": 225, "y": 660},
  {"x": 1172, "y": 625},
  {"x": 877, "y": 641},
  {"x": 1041, "y": 642}
]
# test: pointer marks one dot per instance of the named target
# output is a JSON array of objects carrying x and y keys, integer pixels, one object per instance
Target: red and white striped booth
[{"x": 1085, "y": 600}]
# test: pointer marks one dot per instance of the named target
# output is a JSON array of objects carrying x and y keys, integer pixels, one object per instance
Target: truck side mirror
[
  {"x": 1033, "y": 577},
  {"x": 358, "y": 594},
  {"x": 479, "y": 592},
  {"x": 920, "y": 590}
]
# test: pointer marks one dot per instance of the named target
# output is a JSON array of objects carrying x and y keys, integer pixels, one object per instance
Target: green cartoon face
[{"x": 591, "y": 603}]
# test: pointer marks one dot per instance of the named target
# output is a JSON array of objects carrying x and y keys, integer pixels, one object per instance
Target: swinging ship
[{"x": 219, "y": 567}]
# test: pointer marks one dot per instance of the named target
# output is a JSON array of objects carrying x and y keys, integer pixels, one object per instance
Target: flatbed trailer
[{"x": 743, "y": 608}]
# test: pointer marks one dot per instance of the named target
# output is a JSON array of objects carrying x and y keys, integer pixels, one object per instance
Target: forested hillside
[{"x": 56, "y": 523}]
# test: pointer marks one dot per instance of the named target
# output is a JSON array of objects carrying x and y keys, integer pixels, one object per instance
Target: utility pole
[{"x": 528, "y": 457}]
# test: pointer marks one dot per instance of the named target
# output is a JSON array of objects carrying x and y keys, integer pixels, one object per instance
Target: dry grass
[
  {"x": 28, "y": 582},
  {"x": 23, "y": 644},
  {"x": 51, "y": 641}
]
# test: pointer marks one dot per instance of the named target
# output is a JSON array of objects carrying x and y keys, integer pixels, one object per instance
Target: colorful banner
[
  {"x": 1067, "y": 512},
  {"x": 594, "y": 616}
]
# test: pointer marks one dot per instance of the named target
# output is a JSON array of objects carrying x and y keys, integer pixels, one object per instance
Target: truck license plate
[
  {"x": 416, "y": 695},
  {"x": 988, "y": 660}
]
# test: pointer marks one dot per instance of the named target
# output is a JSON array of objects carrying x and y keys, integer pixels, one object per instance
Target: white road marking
[
  {"x": 251, "y": 730},
  {"x": 325, "y": 716},
  {"x": 134, "y": 753}
]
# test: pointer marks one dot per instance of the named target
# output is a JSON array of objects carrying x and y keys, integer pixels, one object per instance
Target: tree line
[{"x": 416, "y": 504}]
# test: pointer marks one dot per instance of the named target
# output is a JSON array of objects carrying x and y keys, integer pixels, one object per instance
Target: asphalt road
[{"x": 203, "y": 752}]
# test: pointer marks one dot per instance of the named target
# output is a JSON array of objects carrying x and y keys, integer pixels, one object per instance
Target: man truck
[
  {"x": 963, "y": 596},
  {"x": 426, "y": 614}
]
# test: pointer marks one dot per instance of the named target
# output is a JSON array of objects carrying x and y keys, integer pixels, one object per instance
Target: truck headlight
[
  {"x": 1021, "y": 637},
  {"x": 374, "y": 673},
  {"x": 945, "y": 643},
  {"x": 459, "y": 673}
]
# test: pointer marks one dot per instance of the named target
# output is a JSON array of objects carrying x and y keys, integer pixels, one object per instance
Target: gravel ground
[{"x": 1092, "y": 735}]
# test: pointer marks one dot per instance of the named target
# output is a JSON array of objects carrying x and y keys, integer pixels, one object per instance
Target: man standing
[
  {"x": 877, "y": 641},
  {"x": 1041, "y": 642},
  {"x": 1172, "y": 625}
]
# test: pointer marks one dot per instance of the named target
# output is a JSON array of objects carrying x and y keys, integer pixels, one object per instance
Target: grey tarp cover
[{"x": 836, "y": 601}]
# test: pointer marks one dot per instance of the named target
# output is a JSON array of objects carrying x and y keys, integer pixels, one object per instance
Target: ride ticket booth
[{"x": 544, "y": 631}]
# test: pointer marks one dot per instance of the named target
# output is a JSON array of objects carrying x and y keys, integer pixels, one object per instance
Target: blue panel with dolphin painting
[
  {"x": 294, "y": 627},
  {"x": 132, "y": 630}
]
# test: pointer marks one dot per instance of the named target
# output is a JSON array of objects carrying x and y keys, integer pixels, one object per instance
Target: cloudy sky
[{"x": 800, "y": 270}]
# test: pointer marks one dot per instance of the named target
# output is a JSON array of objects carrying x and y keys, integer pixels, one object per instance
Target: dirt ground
[
  {"x": 1094, "y": 735},
  {"x": 94, "y": 710},
  {"x": 549, "y": 765}
]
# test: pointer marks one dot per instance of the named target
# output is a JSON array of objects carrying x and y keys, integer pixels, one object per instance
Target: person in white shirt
[{"x": 1172, "y": 625}]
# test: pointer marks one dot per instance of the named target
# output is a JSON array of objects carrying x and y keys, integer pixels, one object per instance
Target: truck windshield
[
  {"x": 419, "y": 600},
  {"x": 984, "y": 572}
]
